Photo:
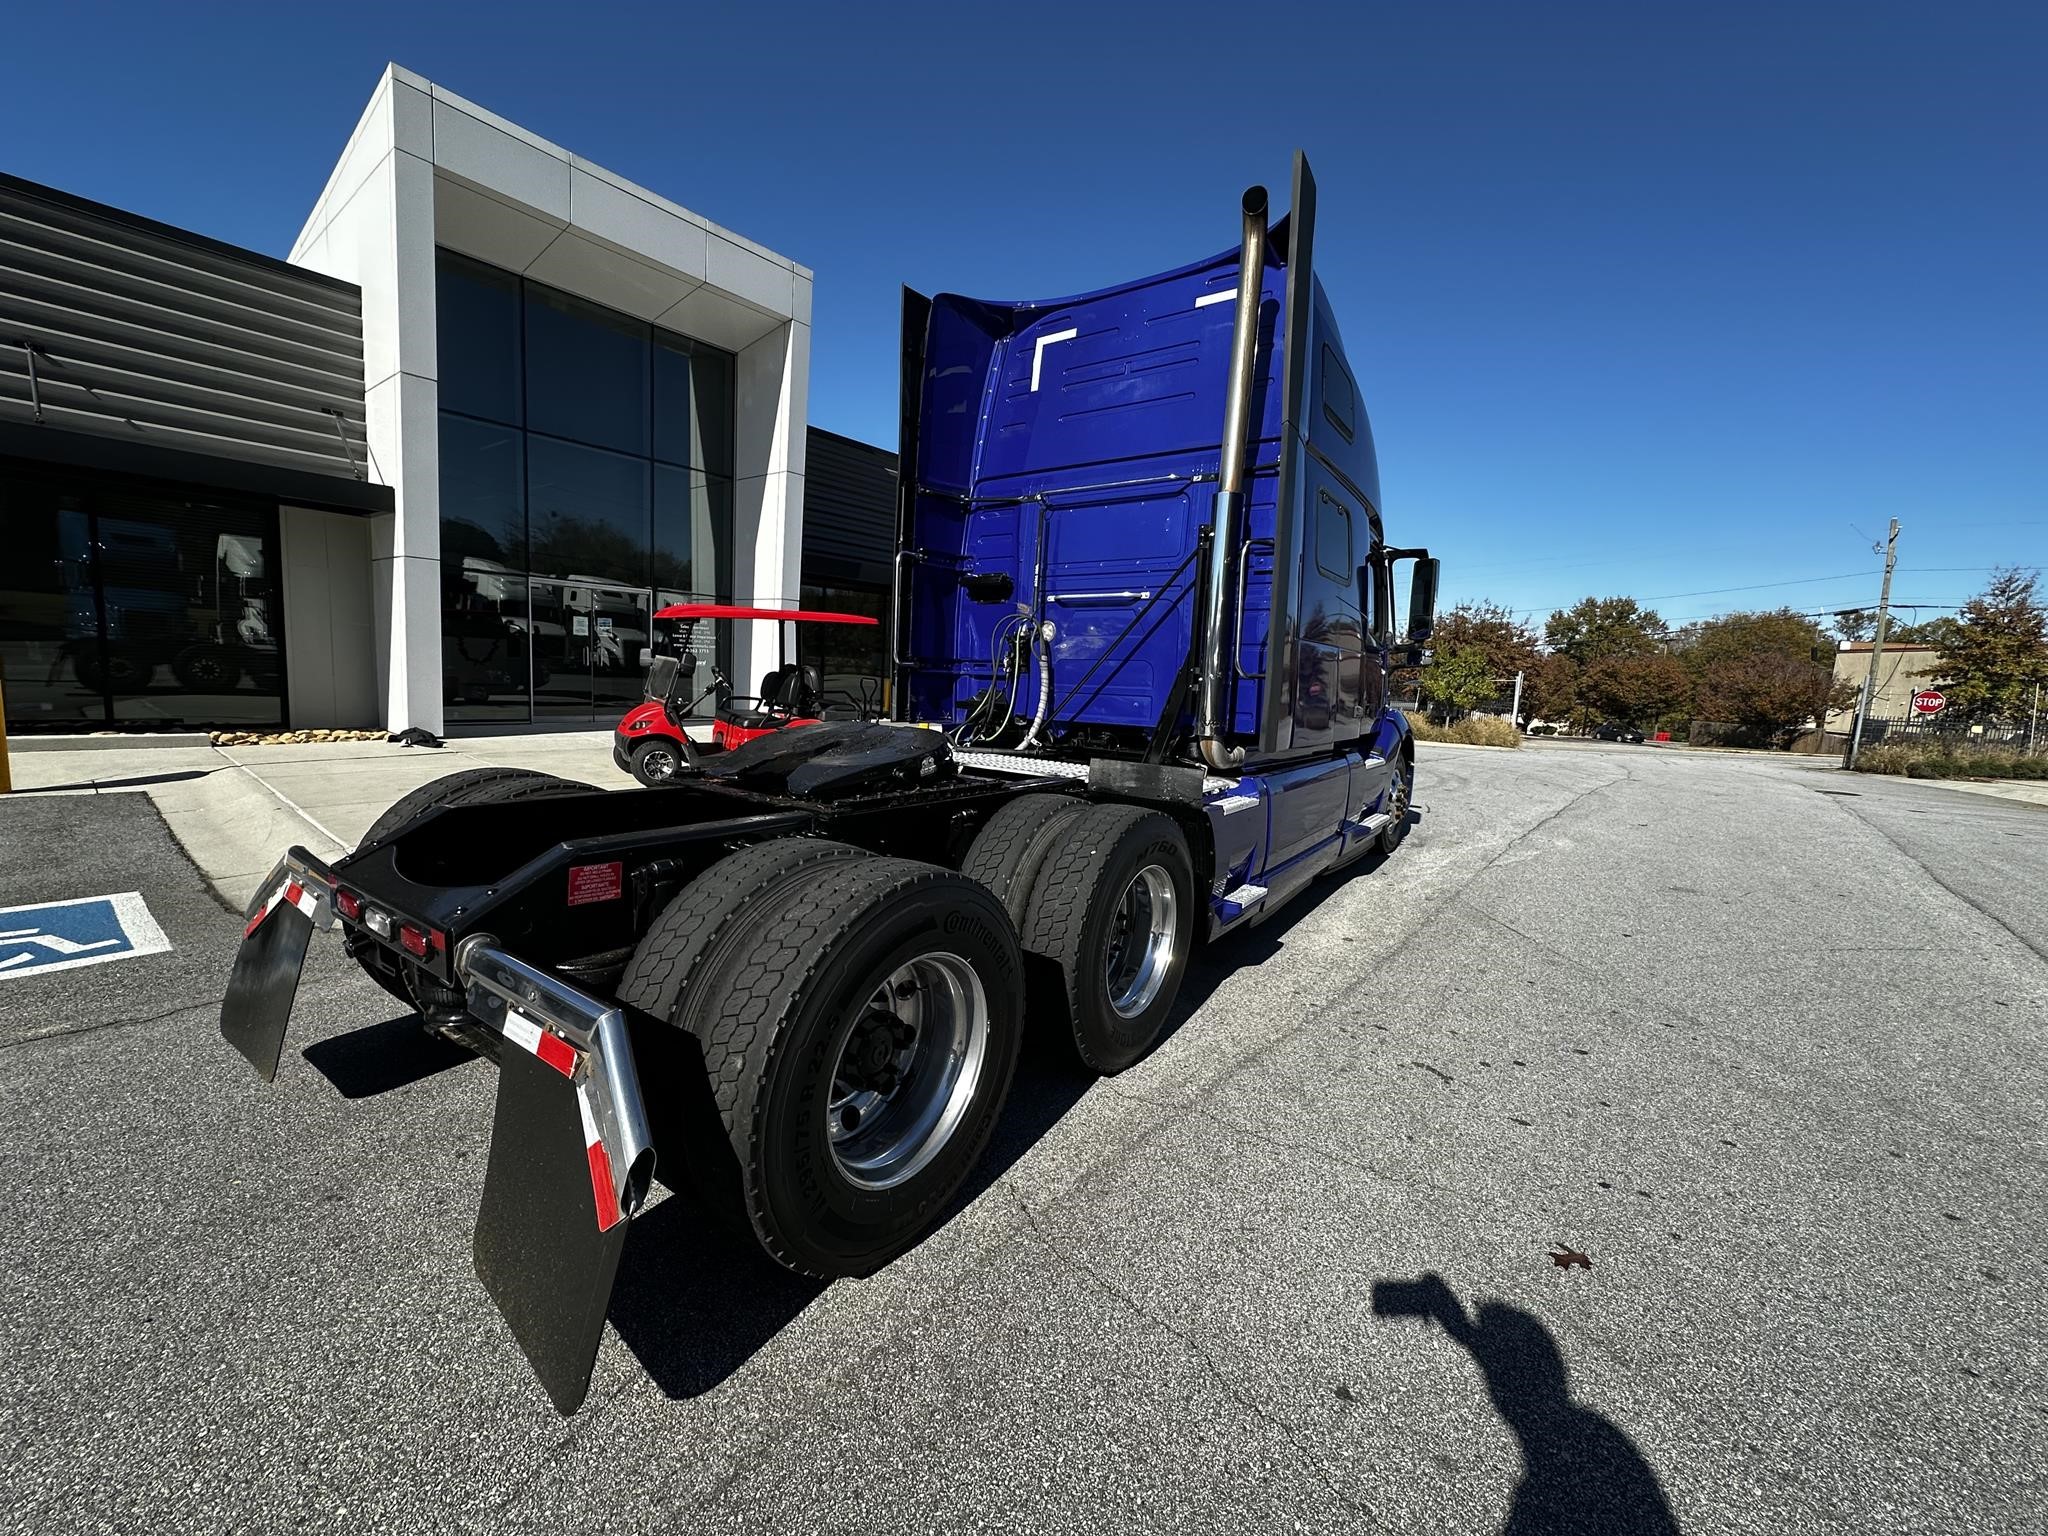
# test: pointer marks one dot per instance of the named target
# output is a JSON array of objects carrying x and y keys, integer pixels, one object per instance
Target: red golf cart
[{"x": 650, "y": 742}]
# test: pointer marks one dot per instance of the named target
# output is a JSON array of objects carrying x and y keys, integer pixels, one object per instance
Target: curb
[{"x": 108, "y": 741}]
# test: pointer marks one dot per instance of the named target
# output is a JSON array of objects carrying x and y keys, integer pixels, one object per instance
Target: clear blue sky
[{"x": 1644, "y": 298}]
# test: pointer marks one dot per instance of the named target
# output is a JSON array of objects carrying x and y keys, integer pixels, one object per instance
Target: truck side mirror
[
  {"x": 646, "y": 657},
  {"x": 1422, "y": 601}
]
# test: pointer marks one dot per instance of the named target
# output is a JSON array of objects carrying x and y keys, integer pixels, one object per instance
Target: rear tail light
[
  {"x": 418, "y": 941},
  {"x": 349, "y": 904}
]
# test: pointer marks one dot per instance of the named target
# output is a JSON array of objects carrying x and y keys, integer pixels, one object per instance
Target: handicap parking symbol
[{"x": 58, "y": 935}]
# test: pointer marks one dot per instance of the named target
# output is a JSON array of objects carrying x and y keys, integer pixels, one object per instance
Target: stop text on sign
[{"x": 1928, "y": 702}]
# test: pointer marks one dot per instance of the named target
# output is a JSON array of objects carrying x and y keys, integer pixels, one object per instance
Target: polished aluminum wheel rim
[
  {"x": 908, "y": 1067},
  {"x": 1142, "y": 941},
  {"x": 659, "y": 762},
  {"x": 1397, "y": 802}
]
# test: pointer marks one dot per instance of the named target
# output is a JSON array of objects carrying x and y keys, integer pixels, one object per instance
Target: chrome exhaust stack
[{"x": 1237, "y": 405}]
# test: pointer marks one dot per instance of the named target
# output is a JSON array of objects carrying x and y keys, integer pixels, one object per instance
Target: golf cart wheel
[
  {"x": 657, "y": 761},
  {"x": 473, "y": 786},
  {"x": 859, "y": 1045},
  {"x": 1400, "y": 794},
  {"x": 1011, "y": 847},
  {"x": 1110, "y": 924}
]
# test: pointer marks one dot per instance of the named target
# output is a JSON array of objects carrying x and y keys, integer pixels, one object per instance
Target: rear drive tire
[
  {"x": 860, "y": 1044},
  {"x": 1107, "y": 936},
  {"x": 472, "y": 786},
  {"x": 657, "y": 761},
  {"x": 709, "y": 916},
  {"x": 1009, "y": 850}
]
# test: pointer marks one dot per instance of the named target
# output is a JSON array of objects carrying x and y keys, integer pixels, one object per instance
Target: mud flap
[
  {"x": 297, "y": 897},
  {"x": 570, "y": 1163},
  {"x": 539, "y": 1253}
]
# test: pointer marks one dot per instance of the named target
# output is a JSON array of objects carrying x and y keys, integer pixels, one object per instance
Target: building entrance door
[{"x": 587, "y": 639}]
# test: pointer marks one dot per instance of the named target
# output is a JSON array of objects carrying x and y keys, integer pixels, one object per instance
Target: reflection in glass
[
  {"x": 483, "y": 505},
  {"x": 621, "y": 475},
  {"x": 692, "y": 530},
  {"x": 478, "y": 327},
  {"x": 485, "y": 640},
  {"x": 586, "y": 373},
  {"x": 587, "y": 640},
  {"x": 849, "y": 657},
  {"x": 693, "y": 397},
  {"x": 589, "y": 511},
  {"x": 49, "y": 618}
]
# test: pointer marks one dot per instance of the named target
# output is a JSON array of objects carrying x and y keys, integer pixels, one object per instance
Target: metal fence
[{"x": 1950, "y": 730}]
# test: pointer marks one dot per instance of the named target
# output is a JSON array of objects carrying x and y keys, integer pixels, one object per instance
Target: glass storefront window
[
  {"x": 586, "y": 458},
  {"x": 692, "y": 531},
  {"x": 589, "y": 512},
  {"x": 479, "y": 348},
  {"x": 851, "y": 658},
  {"x": 131, "y": 601},
  {"x": 586, "y": 375},
  {"x": 693, "y": 397},
  {"x": 483, "y": 493}
]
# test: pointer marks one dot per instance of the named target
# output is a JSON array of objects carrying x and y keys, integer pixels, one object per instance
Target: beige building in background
[{"x": 1902, "y": 671}]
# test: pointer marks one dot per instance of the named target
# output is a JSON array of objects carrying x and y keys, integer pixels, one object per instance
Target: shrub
[
  {"x": 1472, "y": 731},
  {"x": 1949, "y": 760}
]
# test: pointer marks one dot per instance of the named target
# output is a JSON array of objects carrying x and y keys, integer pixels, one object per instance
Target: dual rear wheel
[{"x": 857, "y": 1019}]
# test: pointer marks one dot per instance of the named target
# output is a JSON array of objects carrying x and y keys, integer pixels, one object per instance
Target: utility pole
[
  {"x": 1884, "y": 603},
  {"x": 1515, "y": 709},
  {"x": 2033, "y": 724}
]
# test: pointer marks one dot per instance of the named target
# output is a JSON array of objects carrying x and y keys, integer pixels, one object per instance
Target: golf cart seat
[{"x": 788, "y": 693}]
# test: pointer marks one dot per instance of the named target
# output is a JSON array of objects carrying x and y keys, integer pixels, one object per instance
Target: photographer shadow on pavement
[{"x": 1580, "y": 1474}]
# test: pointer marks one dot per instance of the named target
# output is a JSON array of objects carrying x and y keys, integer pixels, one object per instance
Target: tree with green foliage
[
  {"x": 1598, "y": 627},
  {"x": 1770, "y": 696},
  {"x": 1551, "y": 690},
  {"x": 1457, "y": 681},
  {"x": 1639, "y": 690},
  {"x": 1509, "y": 646},
  {"x": 1997, "y": 652},
  {"x": 1778, "y": 632}
]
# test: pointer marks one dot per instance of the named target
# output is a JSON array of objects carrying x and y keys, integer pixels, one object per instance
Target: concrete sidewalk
[{"x": 235, "y": 809}]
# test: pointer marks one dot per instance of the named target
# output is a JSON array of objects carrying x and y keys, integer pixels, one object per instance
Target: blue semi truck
[{"x": 1143, "y": 627}]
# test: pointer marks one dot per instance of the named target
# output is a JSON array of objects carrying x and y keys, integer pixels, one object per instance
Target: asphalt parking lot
[{"x": 1763, "y": 1043}]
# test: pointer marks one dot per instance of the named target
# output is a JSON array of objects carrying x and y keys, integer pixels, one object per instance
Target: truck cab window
[
  {"x": 1333, "y": 539},
  {"x": 1340, "y": 398}
]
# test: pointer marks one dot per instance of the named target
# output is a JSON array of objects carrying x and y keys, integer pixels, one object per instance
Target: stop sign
[{"x": 1928, "y": 702}]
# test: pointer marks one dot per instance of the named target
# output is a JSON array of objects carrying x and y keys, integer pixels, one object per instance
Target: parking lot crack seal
[
  {"x": 1969, "y": 901},
  {"x": 100, "y": 1024},
  {"x": 1210, "y": 1365}
]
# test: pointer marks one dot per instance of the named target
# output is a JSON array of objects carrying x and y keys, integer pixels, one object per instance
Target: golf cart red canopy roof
[{"x": 728, "y": 611}]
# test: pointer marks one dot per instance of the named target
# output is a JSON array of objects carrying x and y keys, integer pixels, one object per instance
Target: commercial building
[
  {"x": 1902, "y": 671},
  {"x": 439, "y": 467}
]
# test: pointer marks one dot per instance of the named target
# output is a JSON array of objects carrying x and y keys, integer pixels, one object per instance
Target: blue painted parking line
[{"x": 90, "y": 930}]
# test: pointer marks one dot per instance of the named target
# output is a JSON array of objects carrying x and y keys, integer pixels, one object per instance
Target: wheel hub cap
[
  {"x": 908, "y": 1067},
  {"x": 1143, "y": 941}
]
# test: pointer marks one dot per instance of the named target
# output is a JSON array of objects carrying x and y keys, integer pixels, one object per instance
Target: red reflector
[
  {"x": 349, "y": 904},
  {"x": 556, "y": 1052},
  {"x": 414, "y": 940},
  {"x": 601, "y": 1186},
  {"x": 596, "y": 882}
]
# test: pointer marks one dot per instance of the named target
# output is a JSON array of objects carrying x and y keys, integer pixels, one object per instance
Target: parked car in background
[{"x": 1614, "y": 731}]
